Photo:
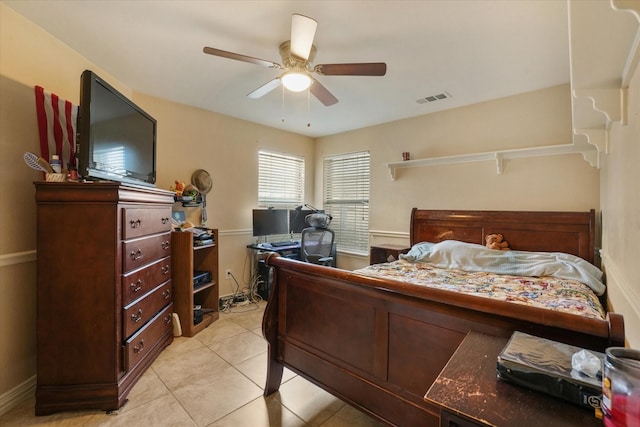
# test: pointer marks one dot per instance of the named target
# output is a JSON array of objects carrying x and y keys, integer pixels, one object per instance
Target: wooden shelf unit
[{"x": 186, "y": 259}]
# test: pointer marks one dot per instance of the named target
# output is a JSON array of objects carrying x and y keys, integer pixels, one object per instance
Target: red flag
[{"x": 56, "y": 125}]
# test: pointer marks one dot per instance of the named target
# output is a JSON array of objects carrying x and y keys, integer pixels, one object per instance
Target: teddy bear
[
  {"x": 496, "y": 241},
  {"x": 178, "y": 187}
]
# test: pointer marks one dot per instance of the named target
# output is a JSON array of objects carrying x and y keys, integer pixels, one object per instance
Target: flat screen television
[
  {"x": 297, "y": 220},
  {"x": 267, "y": 222},
  {"x": 116, "y": 139}
]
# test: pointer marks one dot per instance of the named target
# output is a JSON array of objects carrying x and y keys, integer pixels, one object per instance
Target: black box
[
  {"x": 544, "y": 365},
  {"x": 201, "y": 278},
  {"x": 198, "y": 315}
]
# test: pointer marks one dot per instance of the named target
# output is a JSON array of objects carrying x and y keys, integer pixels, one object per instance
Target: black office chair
[{"x": 316, "y": 242}]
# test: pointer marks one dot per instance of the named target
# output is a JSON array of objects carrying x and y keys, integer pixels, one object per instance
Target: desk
[
  {"x": 469, "y": 393},
  {"x": 261, "y": 272},
  {"x": 289, "y": 251}
]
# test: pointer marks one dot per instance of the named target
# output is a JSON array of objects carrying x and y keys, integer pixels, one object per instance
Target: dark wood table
[{"x": 470, "y": 394}]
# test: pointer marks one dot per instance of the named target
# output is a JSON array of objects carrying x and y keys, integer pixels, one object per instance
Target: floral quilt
[{"x": 568, "y": 296}]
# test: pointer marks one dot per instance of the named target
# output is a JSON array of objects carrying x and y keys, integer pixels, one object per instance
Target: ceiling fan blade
[
  {"x": 303, "y": 31},
  {"x": 322, "y": 93},
  {"x": 359, "y": 69},
  {"x": 265, "y": 88},
  {"x": 238, "y": 57}
]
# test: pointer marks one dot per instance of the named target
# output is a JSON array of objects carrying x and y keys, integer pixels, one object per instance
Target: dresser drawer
[
  {"x": 141, "y": 311},
  {"x": 139, "y": 282},
  {"x": 138, "y": 222},
  {"x": 140, "y": 252},
  {"x": 137, "y": 347}
]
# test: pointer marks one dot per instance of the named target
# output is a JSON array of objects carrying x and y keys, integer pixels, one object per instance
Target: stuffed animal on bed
[{"x": 496, "y": 241}]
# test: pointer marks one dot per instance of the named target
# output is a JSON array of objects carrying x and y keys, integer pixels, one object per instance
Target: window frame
[
  {"x": 278, "y": 188},
  {"x": 347, "y": 199}
]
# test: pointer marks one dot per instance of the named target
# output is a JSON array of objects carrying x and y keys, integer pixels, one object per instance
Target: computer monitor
[
  {"x": 270, "y": 221},
  {"x": 297, "y": 220}
]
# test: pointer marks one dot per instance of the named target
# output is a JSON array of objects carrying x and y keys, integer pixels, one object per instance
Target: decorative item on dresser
[
  {"x": 188, "y": 259},
  {"x": 104, "y": 295}
]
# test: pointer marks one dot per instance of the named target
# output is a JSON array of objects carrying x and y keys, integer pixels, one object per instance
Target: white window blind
[
  {"x": 280, "y": 180},
  {"x": 346, "y": 199}
]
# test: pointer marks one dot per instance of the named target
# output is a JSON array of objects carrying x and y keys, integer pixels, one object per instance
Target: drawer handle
[
  {"x": 135, "y": 287},
  {"x": 135, "y": 223},
  {"x": 165, "y": 220},
  {"x": 136, "y": 317},
  {"x": 166, "y": 294},
  {"x": 165, "y": 269},
  {"x": 166, "y": 244},
  {"x": 139, "y": 349},
  {"x": 136, "y": 255},
  {"x": 167, "y": 319}
]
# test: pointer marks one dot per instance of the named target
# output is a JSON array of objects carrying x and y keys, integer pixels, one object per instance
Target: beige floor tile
[
  {"x": 181, "y": 370},
  {"x": 180, "y": 346},
  {"x": 252, "y": 319},
  {"x": 210, "y": 398},
  {"x": 215, "y": 377},
  {"x": 24, "y": 415},
  {"x": 308, "y": 401},
  {"x": 348, "y": 416},
  {"x": 165, "y": 411},
  {"x": 149, "y": 387},
  {"x": 261, "y": 412},
  {"x": 255, "y": 368},
  {"x": 219, "y": 330},
  {"x": 240, "y": 347}
]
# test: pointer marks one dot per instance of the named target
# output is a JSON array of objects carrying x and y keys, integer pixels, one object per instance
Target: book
[{"x": 544, "y": 365}]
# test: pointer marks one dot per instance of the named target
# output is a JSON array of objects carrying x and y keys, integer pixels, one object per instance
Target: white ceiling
[{"x": 475, "y": 50}]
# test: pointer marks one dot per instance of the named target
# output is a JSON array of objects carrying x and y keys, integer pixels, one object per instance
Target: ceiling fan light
[{"x": 296, "y": 82}]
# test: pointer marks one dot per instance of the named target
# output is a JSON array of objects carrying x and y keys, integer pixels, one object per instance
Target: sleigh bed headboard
[{"x": 568, "y": 232}]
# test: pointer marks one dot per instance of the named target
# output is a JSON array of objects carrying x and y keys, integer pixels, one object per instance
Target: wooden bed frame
[{"x": 379, "y": 344}]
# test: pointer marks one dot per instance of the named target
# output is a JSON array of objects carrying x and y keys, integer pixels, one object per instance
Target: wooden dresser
[{"x": 104, "y": 295}]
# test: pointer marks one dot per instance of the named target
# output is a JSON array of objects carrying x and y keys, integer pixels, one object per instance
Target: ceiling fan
[{"x": 297, "y": 55}]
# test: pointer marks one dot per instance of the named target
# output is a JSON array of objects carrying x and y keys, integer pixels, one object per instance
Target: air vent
[{"x": 433, "y": 98}]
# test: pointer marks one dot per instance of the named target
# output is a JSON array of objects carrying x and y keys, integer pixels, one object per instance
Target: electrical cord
[{"x": 239, "y": 295}]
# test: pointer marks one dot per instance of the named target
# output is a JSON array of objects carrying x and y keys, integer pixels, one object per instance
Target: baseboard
[{"x": 13, "y": 397}]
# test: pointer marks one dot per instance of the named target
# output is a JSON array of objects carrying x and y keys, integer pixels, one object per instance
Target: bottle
[
  {"x": 621, "y": 387},
  {"x": 55, "y": 163}
]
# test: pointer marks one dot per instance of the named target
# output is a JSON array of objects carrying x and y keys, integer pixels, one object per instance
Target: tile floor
[{"x": 213, "y": 379}]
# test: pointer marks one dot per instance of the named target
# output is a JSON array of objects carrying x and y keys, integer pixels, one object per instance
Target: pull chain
[
  {"x": 282, "y": 104},
  {"x": 309, "y": 106}
]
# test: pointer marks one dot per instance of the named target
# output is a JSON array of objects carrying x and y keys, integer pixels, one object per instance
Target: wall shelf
[
  {"x": 598, "y": 86},
  {"x": 588, "y": 151},
  {"x": 602, "y": 64}
]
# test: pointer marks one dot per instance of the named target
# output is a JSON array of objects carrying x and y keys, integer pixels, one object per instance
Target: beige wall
[
  {"x": 191, "y": 138},
  {"x": 620, "y": 201},
  {"x": 534, "y": 119}
]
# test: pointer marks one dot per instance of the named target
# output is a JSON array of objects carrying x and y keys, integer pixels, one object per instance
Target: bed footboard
[{"x": 379, "y": 345}]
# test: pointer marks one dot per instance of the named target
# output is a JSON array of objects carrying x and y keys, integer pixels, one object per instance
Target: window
[
  {"x": 280, "y": 180},
  {"x": 346, "y": 199}
]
